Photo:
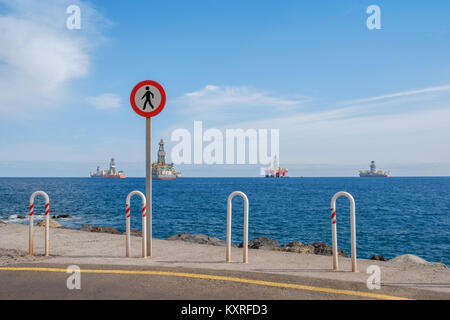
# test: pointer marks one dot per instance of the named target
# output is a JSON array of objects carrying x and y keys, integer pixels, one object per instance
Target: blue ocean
[{"x": 393, "y": 216}]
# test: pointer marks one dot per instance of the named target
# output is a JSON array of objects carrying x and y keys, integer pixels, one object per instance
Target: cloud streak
[
  {"x": 341, "y": 137},
  {"x": 401, "y": 94},
  {"x": 213, "y": 97},
  {"x": 39, "y": 55}
]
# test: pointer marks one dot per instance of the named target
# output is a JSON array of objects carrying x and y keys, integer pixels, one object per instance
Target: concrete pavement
[{"x": 125, "y": 282}]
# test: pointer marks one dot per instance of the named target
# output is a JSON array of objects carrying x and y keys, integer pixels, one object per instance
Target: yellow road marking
[{"x": 215, "y": 277}]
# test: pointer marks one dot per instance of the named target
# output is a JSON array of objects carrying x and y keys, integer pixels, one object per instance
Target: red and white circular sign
[{"x": 148, "y": 98}]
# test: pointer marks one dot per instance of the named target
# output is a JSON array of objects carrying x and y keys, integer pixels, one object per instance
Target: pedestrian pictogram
[
  {"x": 148, "y": 98},
  {"x": 147, "y": 95}
]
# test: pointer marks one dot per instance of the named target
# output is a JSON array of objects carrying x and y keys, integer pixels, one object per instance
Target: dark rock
[
  {"x": 298, "y": 247},
  {"x": 323, "y": 249},
  {"x": 378, "y": 258},
  {"x": 89, "y": 228},
  {"x": 59, "y": 216},
  {"x": 320, "y": 248},
  {"x": 134, "y": 232},
  {"x": 294, "y": 244},
  {"x": 52, "y": 223},
  {"x": 197, "y": 238},
  {"x": 263, "y": 243}
]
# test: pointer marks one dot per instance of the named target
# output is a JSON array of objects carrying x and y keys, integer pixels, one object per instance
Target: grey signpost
[
  {"x": 148, "y": 100},
  {"x": 148, "y": 182}
]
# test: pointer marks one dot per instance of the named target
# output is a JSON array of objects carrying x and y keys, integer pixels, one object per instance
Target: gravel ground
[{"x": 13, "y": 256}]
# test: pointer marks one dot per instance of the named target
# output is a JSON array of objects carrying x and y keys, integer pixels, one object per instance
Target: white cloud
[
  {"x": 227, "y": 97},
  {"x": 105, "y": 101},
  {"x": 39, "y": 55},
  {"x": 402, "y": 94},
  {"x": 340, "y": 138}
]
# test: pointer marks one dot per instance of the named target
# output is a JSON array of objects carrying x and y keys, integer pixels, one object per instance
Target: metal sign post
[
  {"x": 148, "y": 99},
  {"x": 148, "y": 181}
]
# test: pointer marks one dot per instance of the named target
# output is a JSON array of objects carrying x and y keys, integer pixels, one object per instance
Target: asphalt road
[{"x": 119, "y": 282}]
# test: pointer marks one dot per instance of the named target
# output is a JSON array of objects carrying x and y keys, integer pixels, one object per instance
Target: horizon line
[{"x": 229, "y": 177}]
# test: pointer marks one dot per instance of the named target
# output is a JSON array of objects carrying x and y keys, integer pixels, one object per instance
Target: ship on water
[
  {"x": 111, "y": 173},
  {"x": 162, "y": 170},
  {"x": 275, "y": 171},
  {"x": 373, "y": 172}
]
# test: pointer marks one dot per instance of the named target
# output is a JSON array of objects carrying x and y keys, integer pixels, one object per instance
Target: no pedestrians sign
[{"x": 148, "y": 98}]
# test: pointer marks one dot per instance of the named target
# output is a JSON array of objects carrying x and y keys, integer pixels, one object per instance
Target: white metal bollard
[
  {"x": 144, "y": 224},
  {"x": 245, "y": 240},
  {"x": 352, "y": 227},
  {"x": 47, "y": 222}
]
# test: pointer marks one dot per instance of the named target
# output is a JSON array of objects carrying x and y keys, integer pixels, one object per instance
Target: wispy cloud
[
  {"x": 350, "y": 135},
  {"x": 39, "y": 55},
  {"x": 105, "y": 101},
  {"x": 213, "y": 97},
  {"x": 401, "y": 94}
]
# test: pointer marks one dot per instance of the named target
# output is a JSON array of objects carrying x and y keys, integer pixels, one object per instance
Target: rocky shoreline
[
  {"x": 56, "y": 216},
  {"x": 261, "y": 243}
]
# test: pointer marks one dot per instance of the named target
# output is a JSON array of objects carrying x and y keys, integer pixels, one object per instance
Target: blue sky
[{"x": 340, "y": 94}]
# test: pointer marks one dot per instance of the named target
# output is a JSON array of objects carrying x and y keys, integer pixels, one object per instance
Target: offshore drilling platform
[
  {"x": 373, "y": 172},
  {"x": 111, "y": 173},
  {"x": 275, "y": 171},
  {"x": 162, "y": 170}
]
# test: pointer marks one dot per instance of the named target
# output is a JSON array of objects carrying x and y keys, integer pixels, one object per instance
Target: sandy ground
[{"x": 69, "y": 247}]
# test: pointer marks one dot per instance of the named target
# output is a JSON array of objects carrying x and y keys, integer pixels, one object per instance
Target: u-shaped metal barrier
[
  {"x": 144, "y": 224},
  {"x": 245, "y": 240},
  {"x": 352, "y": 227},
  {"x": 47, "y": 222}
]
